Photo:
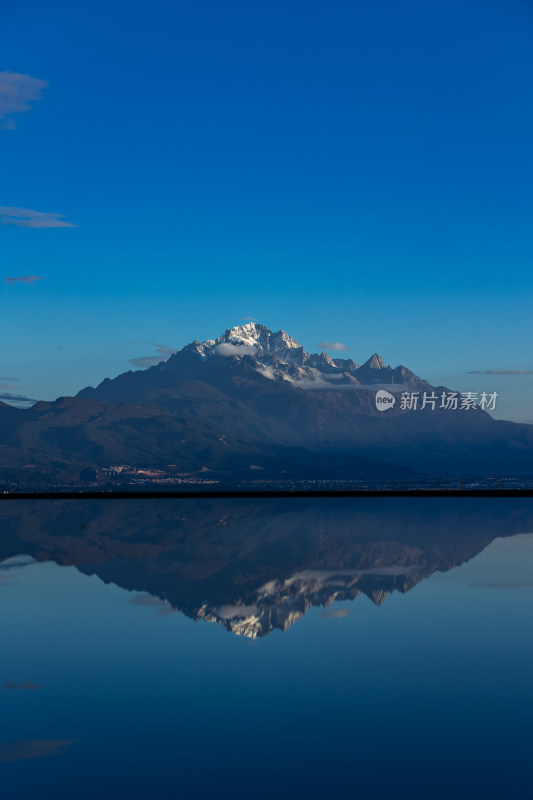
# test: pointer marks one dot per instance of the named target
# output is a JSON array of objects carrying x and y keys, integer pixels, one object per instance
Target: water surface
[{"x": 268, "y": 648}]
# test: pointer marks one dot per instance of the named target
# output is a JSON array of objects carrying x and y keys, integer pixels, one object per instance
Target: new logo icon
[{"x": 384, "y": 400}]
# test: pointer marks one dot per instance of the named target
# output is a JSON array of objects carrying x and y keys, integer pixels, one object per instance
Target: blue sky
[{"x": 349, "y": 171}]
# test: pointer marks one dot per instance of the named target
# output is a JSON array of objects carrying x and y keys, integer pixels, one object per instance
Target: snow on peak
[
  {"x": 278, "y": 356},
  {"x": 256, "y": 340},
  {"x": 375, "y": 362},
  {"x": 282, "y": 341},
  {"x": 250, "y": 334}
]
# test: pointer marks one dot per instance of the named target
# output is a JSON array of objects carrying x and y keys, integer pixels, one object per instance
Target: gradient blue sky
[{"x": 355, "y": 172}]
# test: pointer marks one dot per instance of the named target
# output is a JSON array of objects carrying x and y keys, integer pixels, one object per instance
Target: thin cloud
[
  {"x": 26, "y": 686},
  {"x": 331, "y": 383},
  {"x": 23, "y": 279},
  {"x": 502, "y": 585},
  {"x": 236, "y": 611},
  {"x": 3, "y": 378},
  {"x": 7, "y": 580},
  {"x": 27, "y": 218},
  {"x": 143, "y": 362},
  {"x": 16, "y": 563},
  {"x": 16, "y": 398},
  {"x": 500, "y": 372},
  {"x": 333, "y": 346},
  {"x": 335, "y": 613},
  {"x": 7, "y": 386},
  {"x": 163, "y": 607},
  {"x": 250, "y": 319},
  {"x": 163, "y": 349},
  {"x": 228, "y": 349},
  {"x": 17, "y": 91},
  {"x": 34, "y": 748}
]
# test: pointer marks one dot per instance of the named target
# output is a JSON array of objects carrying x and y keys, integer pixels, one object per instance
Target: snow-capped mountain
[
  {"x": 255, "y": 403},
  {"x": 279, "y": 356},
  {"x": 282, "y": 602},
  {"x": 263, "y": 386}
]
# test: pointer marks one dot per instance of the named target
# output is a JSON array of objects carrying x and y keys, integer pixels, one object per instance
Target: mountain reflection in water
[{"x": 254, "y": 566}]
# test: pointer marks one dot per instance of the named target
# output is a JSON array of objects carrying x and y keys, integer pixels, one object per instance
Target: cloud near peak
[
  {"x": 164, "y": 608},
  {"x": 27, "y": 218},
  {"x": 17, "y": 91},
  {"x": 228, "y": 349},
  {"x": 143, "y": 362},
  {"x": 333, "y": 346},
  {"x": 162, "y": 349},
  {"x": 335, "y": 613}
]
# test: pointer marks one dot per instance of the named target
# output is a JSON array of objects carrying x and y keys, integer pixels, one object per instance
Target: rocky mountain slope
[
  {"x": 256, "y": 384},
  {"x": 256, "y": 400}
]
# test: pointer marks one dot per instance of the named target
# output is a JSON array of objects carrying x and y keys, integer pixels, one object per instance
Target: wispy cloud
[
  {"x": 236, "y": 611},
  {"x": 163, "y": 349},
  {"x": 17, "y": 91},
  {"x": 500, "y": 372},
  {"x": 34, "y": 748},
  {"x": 333, "y": 346},
  {"x": 27, "y": 218},
  {"x": 335, "y": 613},
  {"x": 27, "y": 686},
  {"x": 16, "y": 398},
  {"x": 5, "y": 581},
  {"x": 16, "y": 563},
  {"x": 163, "y": 606},
  {"x": 143, "y": 362},
  {"x": 502, "y": 585},
  {"x": 331, "y": 383},
  {"x": 23, "y": 279},
  {"x": 249, "y": 319}
]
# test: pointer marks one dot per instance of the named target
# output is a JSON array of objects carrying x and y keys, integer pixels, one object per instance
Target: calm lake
[{"x": 266, "y": 648}]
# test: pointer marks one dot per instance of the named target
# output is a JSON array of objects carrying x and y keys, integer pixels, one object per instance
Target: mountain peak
[
  {"x": 282, "y": 340},
  {"x": 374, "y": 362},
  {"x": 250, "y": 334},
  {"x": 249, "y": 329},
  {"x": 261, "y": 341},
  {"x": 251, "y": 347}
]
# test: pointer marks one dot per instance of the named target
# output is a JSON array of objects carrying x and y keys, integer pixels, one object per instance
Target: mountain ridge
[
  {"x": 256, "y": 400},
  {"x": 277, "y": 355}
]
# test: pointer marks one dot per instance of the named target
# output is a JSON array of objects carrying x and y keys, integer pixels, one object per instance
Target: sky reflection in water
[{"x": 413, "y": 682}]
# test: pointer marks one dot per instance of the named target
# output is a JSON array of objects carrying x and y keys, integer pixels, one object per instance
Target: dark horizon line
[{"x": 256, "y": 494}]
